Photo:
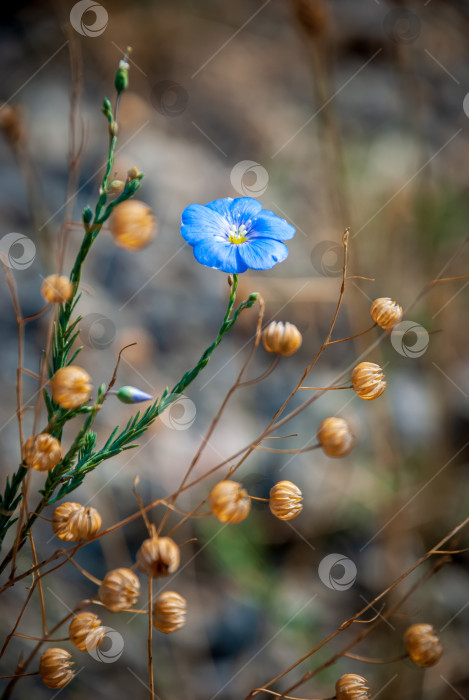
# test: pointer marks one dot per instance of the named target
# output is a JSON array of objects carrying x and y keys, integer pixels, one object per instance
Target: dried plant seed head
[
  {"x": 57, "y": 289},
  {"x": 282, "y": 338},
  {"x": 368, "y": 380},
  {"x": 285, "y": 500},
  {"x": 229, "y": 502},
  {"x": 335, "y": 437},
  {"x": 169, "y": 612},
  {"x": 133, "y": 173},
  {"x": 385, "y": 312},
  {"x": 119, "y": 590},
  {"x": 351, "y": 686},
  {"x": 133, "y": 225},
  {"x": 158, "y": 556},
  {"x": 422, "y": 644},
  {"x": 42, "y": 452},
  {"x": 71, "y": 387},
  {"x": 116, "y": 186},
  {"x": 86, "y": 631},
  {"x": 55, "y": 668},
  {"x": 72, "y": 522}
]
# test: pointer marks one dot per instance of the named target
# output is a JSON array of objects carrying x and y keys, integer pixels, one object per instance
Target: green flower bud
[
  {"x": 130, "y": 394},
  {"x": 122, "y": 77},
  {"x": 87, "y": 215},
  {"x": 107, "y": 108}
]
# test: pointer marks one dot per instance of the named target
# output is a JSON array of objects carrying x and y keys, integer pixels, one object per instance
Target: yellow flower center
[{"x": 237, "y": 234}]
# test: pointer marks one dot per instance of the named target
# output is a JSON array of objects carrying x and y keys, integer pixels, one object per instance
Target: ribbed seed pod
[
  {"x": 422, "y": 644},
  {"x": 282, "y": 339},
  {"x": 133, "y": 225},
  {"x": 72, "y": 522},
  {"x": 351, "y": 686},
  {"x": 385, "y": 312},
  {"x": 335, "y": 437},
  {"x": 229, "y": 502},
  {"x": 55, "y": 668},
  {"x": 57, "y": 289},
  {"x": 285, "y": 500},
  {"x": 119, "y": 590},
  {"x": 169, "y": 612},
  {"x": 368, "y": 380},
  {"x": 42, "y": 452},
  {"x": 158, "y": 556},
  {"x": 86, "y": 631},
  {"x": 71, "y": 386}
]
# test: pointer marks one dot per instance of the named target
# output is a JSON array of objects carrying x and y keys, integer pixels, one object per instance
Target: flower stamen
[{"x": 237, "y": 234}]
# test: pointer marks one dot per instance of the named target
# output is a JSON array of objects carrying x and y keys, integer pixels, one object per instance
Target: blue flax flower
[{"x": 233, "y": 235}]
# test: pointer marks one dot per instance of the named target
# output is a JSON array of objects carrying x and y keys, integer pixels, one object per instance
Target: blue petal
[
  {"x": 199, "y": 222},
  {"x": 222, "y": 206},
  {"x": 262, "y": 253},
  {"x": 221, "y": 255},
  {"x": 244, "y": 209},
  {"x": 269, "y": 225}
]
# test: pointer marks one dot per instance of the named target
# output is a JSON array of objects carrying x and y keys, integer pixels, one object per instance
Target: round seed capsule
[
  {"x": 422, "y": 644},
  {"x": 169, "y": 612},
  {"x": 55, "y": 668},
  {"x": 72, "y": 522},
  {"x": 57, "y": 289},
  {"x": 335, "y": 437},
  {"x": 282, "y": 339},
  {"x": 229, "y": 502},
  {"x": 86, "y": 631},
  {"x": 351, "y": 686},
  {"x": 42, "y": 452},
  {"x": 285, "y": 500},
  {"x": 133, "y": 225},
  {"x": 119, "y": 590},
  {"x": 158, "y": 556},
  {"x": 71, "y": 387},
  {"x": 385, "y": 312},
  {"x": 368, "y": 380}
]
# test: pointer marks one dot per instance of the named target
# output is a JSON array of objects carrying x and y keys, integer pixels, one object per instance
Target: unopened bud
[{"x": 130, "y": 394}]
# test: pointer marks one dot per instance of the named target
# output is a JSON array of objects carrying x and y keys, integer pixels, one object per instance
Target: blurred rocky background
[{"x": 336, "y": 113}]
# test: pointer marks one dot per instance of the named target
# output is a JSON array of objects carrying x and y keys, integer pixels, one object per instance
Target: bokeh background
[{"x": 339, "y": 113}]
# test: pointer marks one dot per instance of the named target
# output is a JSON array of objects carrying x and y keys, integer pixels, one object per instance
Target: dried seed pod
[
  {"x": 385, "y": 312},
  {"x": 11, "y": 122},
  {"x": 72, "y": 522},
  {"x": 422, "y": 644},
  {"x": 312, "y": 16},
  {"x": 133, "y": 225},
  {"x": 169, "y": 612},
  {"x": 119, "y": 590},
  {"x": 42, "y": 452},
  {"x": 285, "y": 500},
  {"x": 229, "y": 502},
  {"x": 158, "y": 556},
  {"x": 351, "y": 686},
  {"x": 368, "y": 380},
  {"x": 57, "y": 289},
  {"x": 55, "y": 668},
  {"x": 283, "y": 339},
  {"x": 71, "y": 386},
  {"x": 86, "y": 631},
  {"x": 335, "y": 437}
]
